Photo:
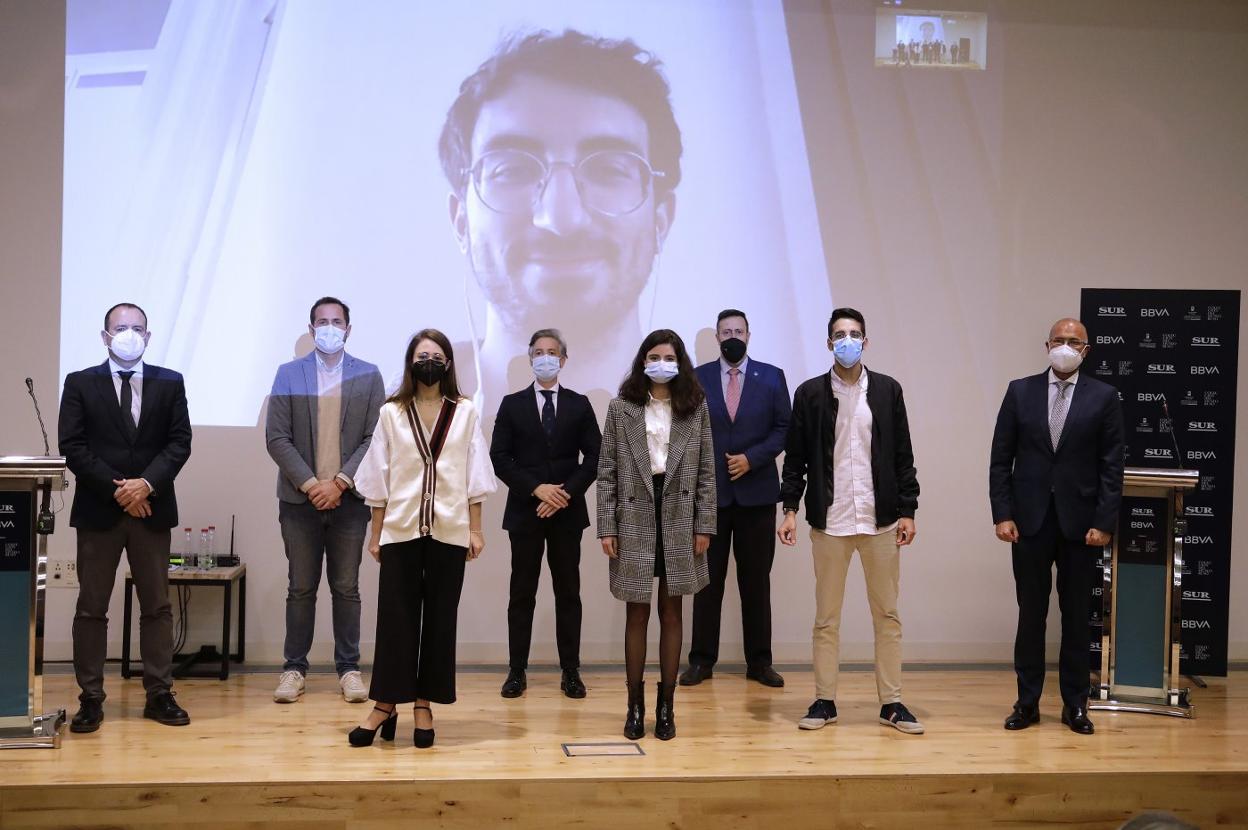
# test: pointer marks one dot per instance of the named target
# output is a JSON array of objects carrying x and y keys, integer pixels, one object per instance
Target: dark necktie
[
  {"x": 548, "y": 413},
  {"x": 127, "y": 404}
]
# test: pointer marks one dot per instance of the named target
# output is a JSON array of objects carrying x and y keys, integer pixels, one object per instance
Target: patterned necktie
[
  {"x": 127, "y": 403},
  {"x": 734, "y": 392},
  {"x": 548, "y": 413},
  {"x": 1057, "y": 419}
]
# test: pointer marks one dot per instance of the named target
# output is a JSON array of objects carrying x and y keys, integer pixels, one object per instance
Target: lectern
[
  {"x": 26, "y": 486},
  {"x": 1141, "y": 593}
]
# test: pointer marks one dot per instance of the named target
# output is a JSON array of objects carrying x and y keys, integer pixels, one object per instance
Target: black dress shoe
[
  {"x": 88, "y": 717},
  {"x": 765, "y": 675},
  {"x": 571, "y": 684},
  {"x": 1077, "y": 719},
  {"x": 695, "y": 674},
  {"x": 1022, "y": 717},
  {"x": 162, "y": 708},
  {"x": 515, "y": 684}
]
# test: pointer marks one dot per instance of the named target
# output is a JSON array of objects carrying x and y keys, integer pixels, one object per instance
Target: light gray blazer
[
  {"x": 626, "y": 501},
  {"x": 290, "y": 428}
]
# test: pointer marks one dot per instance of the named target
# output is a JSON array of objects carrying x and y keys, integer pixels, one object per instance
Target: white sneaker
[
  {"x": 289, "y": 687},
  {"x": 353, "y": 688}
]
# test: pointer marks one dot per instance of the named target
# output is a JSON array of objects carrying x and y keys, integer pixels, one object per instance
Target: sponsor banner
[{"x": 1173, "y": 357}]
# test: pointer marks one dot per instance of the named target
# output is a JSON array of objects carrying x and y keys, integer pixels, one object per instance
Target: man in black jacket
[
  {"x": 849, "y": 450},
  {"x": 125, "y": 434},
  {"x": 545, "y": 449},
  {"x": 1055, "y": 483}
]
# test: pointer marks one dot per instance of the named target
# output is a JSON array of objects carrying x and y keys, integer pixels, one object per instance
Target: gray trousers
[{"x": 99, "y": 554}]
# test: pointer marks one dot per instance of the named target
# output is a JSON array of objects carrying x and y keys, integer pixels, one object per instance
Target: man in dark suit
[
  {"x": 1055, "y": 482},
  {"x": 125, "y": 434},
  {"x": 749, "y": 407},
  {"x": 545, "y": 449},
  {"x": 320, "y": 421}
]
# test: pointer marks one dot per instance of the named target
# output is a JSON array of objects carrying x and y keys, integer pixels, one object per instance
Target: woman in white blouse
[
  {"x": 425, "y": 475},
  {"x": 656, "y": 510}
]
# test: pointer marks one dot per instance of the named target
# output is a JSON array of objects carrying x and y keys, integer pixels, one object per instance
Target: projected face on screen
[
  {"x": 559, "y": 199},
  {"x": 489, "y": 188}
]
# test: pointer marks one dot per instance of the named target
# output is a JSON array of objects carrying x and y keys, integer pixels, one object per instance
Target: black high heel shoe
[
  {"x": 364, "y": 737},
  {"x": 423, "y": 738}
]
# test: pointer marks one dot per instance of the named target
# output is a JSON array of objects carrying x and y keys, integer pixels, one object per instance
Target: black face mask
[
  {"x": 428, "y": 372},
  {"x": 733, "y": 349}
]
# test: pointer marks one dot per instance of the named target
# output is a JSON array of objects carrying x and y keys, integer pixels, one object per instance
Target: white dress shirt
[
  {"x": 658, "y": 432},
  {"x": 852, "y": 511},
  {"x": 136, "y": 386},
  {"x": 541, "y": 399}
]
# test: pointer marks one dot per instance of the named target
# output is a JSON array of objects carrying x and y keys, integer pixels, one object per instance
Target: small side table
[{"x": 223, "y": 578}]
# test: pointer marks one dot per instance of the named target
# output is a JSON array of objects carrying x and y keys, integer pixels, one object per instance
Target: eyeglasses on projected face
[
  {"x": 1074, "y": 342},
  {"x": 852, "y": 335},
  {"x": 611, "y": 182}
]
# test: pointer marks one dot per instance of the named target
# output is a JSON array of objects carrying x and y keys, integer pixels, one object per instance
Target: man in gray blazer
[{"x": 322, "y": 411}]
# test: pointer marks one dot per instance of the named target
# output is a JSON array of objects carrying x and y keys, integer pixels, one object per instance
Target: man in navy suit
[
  {"x": 125, "y": 434},
  {"x": 1055, "y": 482},
  {"x": 545, "y": 449},
  {"x": 750, "y": 408}
]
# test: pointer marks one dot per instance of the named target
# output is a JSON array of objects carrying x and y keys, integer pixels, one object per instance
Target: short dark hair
[
  {"x": 618, "y": 68},
  {"x": 847, "y": 314},
  {"x": 109, "y": 313},
  {"x": 686, "y": 390},
  {"x": 346, "y": 312},
  {"x": 449, "y": 385},
  {"x": 732, "y": 312},
  {"x": 553, "y": 334}
]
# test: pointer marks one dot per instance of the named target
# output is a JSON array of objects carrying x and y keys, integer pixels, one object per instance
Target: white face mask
[
  {"x": 1064, "y": 359},
  {"x": 127, "y": 345},
  {"x": 662, "y": 371},
  {"x": 330, "y": 339},
  {"x": 546, "y": 367}
]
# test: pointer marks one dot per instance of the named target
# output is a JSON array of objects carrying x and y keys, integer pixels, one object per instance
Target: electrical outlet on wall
[{"x": 62, "y": 573}]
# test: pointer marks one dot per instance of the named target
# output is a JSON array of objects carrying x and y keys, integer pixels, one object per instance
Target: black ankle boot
[
  {"x": 664, "y": 716},
  {"x": 635, "y": 723}
]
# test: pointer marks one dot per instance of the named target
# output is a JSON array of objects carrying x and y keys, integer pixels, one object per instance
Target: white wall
[{"x": 1082, "y": 160}]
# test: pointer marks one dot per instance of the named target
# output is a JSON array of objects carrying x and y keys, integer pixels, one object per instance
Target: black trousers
[
  {"x": 1034, "y": 558},
  {"x": 99, "y": 554},
  {"x": 563, "y": 556},
  {"x": 751, "y": 533},
  {"x": 417, "y": 612}
]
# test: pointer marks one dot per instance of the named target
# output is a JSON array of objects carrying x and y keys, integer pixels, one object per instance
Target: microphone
[
  {"x": 45, "y": 522},
  {"x": 1174, "y": 435},
  {"x": 30, "y": 388}
]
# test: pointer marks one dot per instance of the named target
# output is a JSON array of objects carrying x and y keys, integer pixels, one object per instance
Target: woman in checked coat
[{"x": 656, "y": 510}]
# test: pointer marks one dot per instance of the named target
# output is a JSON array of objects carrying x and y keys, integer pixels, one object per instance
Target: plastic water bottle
[
  {"x": 205, "y": 555},
  {"x": 212, "y": 546}
]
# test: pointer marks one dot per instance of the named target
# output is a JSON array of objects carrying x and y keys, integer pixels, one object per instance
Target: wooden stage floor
[{"x": 738, "y": 760}]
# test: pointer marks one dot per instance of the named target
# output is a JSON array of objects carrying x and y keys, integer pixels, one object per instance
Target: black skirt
[{"x": 660, "y": 569}]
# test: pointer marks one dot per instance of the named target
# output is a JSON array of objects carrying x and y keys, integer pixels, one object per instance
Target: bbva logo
[
  {"x": 7, "y": 523},
  {"x": 1202, "y": 455},
  {"x": 1146, "y": 397},
  {"x": 1206, "y": 370},
  {"x": 1198, "y": 540},
  {"x": 1109, "y": 340},
  {"x": 1154, "y": 312},
  {"x": 1196, "y": 624}
]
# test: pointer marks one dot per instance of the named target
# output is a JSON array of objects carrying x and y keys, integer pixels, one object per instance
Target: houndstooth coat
[{"x": 626, "y": 501}]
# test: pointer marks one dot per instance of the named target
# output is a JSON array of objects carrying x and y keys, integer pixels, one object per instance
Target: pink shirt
[{"x": 852, "y": 511}]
